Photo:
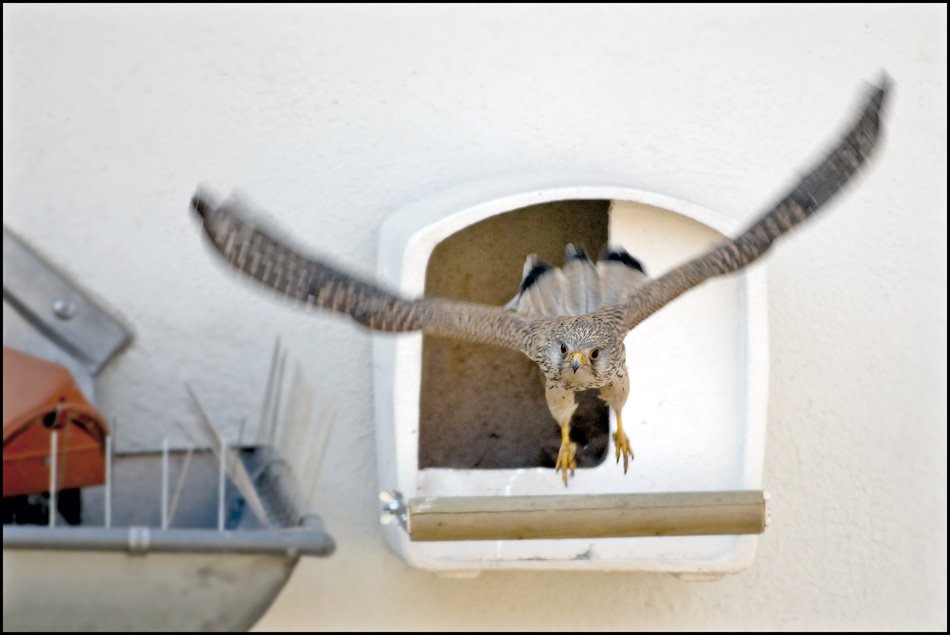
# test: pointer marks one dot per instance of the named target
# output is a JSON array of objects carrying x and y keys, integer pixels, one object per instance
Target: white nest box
[{"x": 461, "y": 420}]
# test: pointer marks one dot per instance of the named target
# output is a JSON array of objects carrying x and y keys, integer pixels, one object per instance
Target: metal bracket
[
  {"x": 57, "y": 308},
  {"x": 394, "y": 507}
]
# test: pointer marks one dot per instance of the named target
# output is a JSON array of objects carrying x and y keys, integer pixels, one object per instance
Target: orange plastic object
[{"x": 39, "y": 397}]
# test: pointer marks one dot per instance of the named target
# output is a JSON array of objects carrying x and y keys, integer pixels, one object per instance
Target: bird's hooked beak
[{"x": 577, "y": 360}]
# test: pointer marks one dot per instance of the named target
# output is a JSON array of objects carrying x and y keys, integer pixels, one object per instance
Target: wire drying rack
[{"x": 196, "y": 539}]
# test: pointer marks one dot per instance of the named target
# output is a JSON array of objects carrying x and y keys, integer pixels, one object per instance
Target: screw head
[{"x": 64, "y": 309}]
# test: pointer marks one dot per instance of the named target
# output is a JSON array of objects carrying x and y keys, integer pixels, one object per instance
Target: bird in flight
[{"x": 571, "y": 321}]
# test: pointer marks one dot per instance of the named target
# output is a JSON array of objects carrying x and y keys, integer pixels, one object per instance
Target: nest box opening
[{"x": 503, "y": 422}]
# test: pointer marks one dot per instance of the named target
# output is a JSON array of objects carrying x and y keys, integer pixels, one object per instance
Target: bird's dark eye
[
  {"x": 594, "y": 353},
  {"x": 563, "y": 349}
]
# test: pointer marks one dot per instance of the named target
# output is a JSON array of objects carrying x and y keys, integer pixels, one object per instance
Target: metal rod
[
  {"x": 222, "y": 471},
  {"x": 218, "y": 445},
  {"x": 182, "y": 474},
  {"x": 53, "y": 451},
  {"x": 587, "y": 516},
  {"x": 108, "y": 510},
  {"x": 268, "y": 394},
  {"x": 240, "y": 441},
  {"x": 63, "y": 454},
  {"x": 299, "y": 541},
  {"x": 318, "y": 453},
  {"x": 275, "y": 405},
  {"x": 291, "y": 444},
  {"x": 165, "y": 483}
]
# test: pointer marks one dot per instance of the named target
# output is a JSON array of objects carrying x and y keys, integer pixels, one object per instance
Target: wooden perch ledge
[{"x": 587, "y": 516}]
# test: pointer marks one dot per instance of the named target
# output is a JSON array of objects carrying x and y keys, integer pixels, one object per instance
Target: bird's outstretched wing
[
  {"x": 814, "y": 190},
  {"x": 253, "y": 250}
]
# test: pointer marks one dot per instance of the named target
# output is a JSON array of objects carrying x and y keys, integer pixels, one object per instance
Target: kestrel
[{"x": 571, "y": 321}]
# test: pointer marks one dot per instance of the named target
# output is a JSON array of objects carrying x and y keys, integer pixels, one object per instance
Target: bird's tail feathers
[{"x": 579, "y": 286}]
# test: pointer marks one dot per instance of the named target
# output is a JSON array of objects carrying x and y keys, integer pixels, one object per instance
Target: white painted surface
[
  {"x": 697, "y": 412},
  {"x": 332, "y": 118}
]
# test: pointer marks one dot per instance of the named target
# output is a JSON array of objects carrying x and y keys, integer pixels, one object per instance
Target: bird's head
[{"x": 581, "y": 355}]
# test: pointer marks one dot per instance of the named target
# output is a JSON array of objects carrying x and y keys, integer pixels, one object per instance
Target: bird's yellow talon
[
  {"x": 622, "y": 444},
  {"x": 565, "y": 458},
  {"x": 623, "y": 448}
]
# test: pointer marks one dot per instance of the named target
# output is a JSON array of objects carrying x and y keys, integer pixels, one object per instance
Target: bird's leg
[
  {"x": 623, "y": 444},
  {"x": 565, "y": 456},
  {"x": 562, "y": 405},
  {"x": 615, "y": 394}
]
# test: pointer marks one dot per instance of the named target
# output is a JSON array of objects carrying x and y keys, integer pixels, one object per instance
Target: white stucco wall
[{"x": 332, "y": 118}]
